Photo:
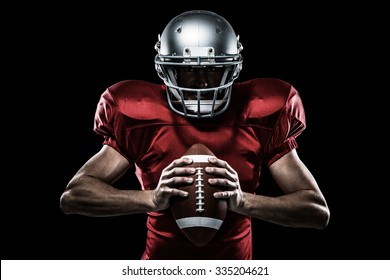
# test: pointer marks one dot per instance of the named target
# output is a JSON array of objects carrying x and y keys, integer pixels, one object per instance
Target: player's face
[{"x": 199, "y": 78}]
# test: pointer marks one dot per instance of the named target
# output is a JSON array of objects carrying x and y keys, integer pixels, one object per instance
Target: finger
[
  {"x": 223, "y": 182},
  {"x": 218, "y": 162},
  {"x": 174, "y": 191},
  {"x": 182, "y": 161},
  {"x": 221, "y": 163},
  {"x": 179, "y": 162},
  {"x": 174, "y": 181},
  {"x": 225, "y": 194},
  {"x": 221, "y": 172},
  {"x": 181, "y": 171}
]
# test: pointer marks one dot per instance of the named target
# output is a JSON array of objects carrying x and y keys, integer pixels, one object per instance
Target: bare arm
[
  {"x": 90, "y": 191},
  {"x": 302, "y": 205}
]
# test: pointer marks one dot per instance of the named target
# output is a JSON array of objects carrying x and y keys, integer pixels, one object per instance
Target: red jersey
[{"x": 260, "y": 125}]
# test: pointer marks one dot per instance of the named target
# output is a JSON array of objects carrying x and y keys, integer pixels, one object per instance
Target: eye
[
  {"x": 187, "y": 69},
  {"x": 214, "y": 69}
]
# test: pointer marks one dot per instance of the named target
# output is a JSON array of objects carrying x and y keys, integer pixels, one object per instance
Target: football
[{"x": 199, "y": 215}]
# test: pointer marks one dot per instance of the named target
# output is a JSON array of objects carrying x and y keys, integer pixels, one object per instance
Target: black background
[{"x": 61, "y": 57}]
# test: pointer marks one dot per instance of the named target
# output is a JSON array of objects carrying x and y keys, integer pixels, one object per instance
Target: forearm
[
  {"x": 92, "y": 197},
  {"x": 299, "y": 209}
]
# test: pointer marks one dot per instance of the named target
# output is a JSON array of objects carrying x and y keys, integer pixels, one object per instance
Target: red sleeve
[
  {"x": 290, "y": 124},
  {"x": 107, "y": 119},
  {"x": 104, "y": 117}
]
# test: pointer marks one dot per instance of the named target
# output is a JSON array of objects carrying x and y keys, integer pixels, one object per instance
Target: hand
[
  {"x": 172, "y": 176},
  {"x": 227, "y": 178}
]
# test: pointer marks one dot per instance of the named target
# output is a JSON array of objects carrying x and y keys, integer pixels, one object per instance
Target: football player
[{"x": 248, "y": 125}]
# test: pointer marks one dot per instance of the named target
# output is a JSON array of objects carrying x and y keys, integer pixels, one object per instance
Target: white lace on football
[{"x": 199, "y": 191}]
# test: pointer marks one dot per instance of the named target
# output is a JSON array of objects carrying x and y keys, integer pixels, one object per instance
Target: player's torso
[{"x": 154, "y": 135}]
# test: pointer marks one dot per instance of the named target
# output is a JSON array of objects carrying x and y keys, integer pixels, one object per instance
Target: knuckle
[
  {"x": 175, "y": 171},
  {"x": 177, "y": 162}
]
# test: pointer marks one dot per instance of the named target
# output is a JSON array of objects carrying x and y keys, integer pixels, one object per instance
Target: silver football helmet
[{"x": 198, "y": 41}]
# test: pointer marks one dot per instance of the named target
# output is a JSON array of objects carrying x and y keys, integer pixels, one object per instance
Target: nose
[
  {"x": 200, "y": 83},
  {"x": 200, "y": 79}
]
